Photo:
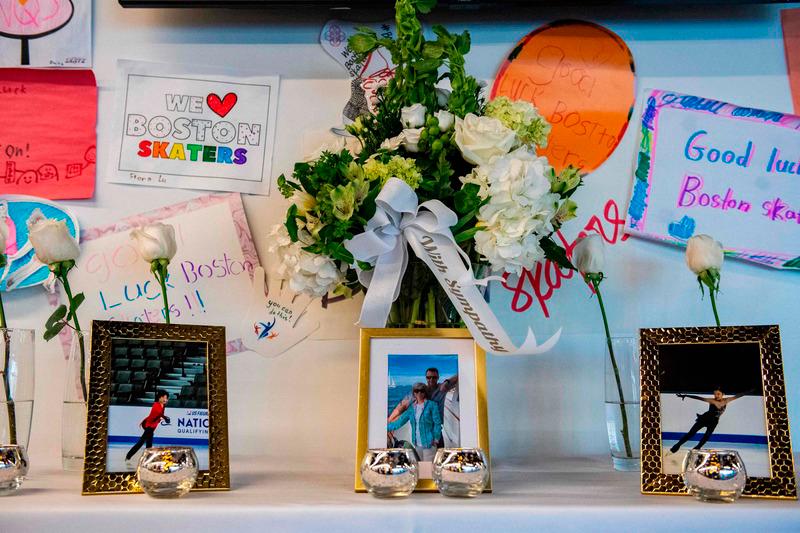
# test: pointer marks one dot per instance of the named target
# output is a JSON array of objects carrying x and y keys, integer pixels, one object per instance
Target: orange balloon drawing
[{"x": 581, "y": 77}]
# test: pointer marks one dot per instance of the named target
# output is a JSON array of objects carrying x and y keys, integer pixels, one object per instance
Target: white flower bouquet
[{"x": 445, "y": 153}]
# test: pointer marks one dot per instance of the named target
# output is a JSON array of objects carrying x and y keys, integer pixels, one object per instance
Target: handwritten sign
[
  {"x": 366, "y": 75},
  {"x": 705, "y": 166},
  {"x": 209, "y": 278},
  {"x": 48, "y": 33},
  {"x": 581, "y": 78},
  {"x": 790, "y": 22},
  {"x": 47, "y": 133},
  {"x": 194, "y": 128}
]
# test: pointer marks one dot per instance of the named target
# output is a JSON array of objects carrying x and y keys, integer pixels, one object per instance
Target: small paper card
[
  {"x": 193, "y": 128},
  {"x": 732, "y": 172}
]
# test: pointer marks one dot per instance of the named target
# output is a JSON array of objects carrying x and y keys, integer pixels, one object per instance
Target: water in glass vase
[
  {"x": 23, "y": 414},
  {"x": 624, "y": 456},
  {"x": 73, "y": 443}
]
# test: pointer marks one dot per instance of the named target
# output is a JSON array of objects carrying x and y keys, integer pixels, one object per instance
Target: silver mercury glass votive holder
[
  {"x": 390, "y": 472},
  {"x": 13, "y": 467},
  {"x": 168, "y": 472},
  {"x": 461, "y": 472},
  {"x": 714, "y": 475}
]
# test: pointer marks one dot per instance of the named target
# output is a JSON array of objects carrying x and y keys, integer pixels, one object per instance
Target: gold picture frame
[
  {"x": 365, "y": 365},
  {"x": 103, "y": 375},
  {"x": 764, "y": 341}
]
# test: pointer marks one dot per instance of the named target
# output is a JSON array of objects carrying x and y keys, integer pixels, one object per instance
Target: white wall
[{"x": 305, "y": 401}]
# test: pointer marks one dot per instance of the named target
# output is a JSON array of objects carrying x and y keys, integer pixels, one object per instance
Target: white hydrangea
[
  {"x": 306, "y": 272},
  {"x": 519, "y": 211}
]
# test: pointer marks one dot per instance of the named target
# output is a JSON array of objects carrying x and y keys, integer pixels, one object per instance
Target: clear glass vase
[
  {"x": 623, "y": 401},
  {"x": 16, "y": 385},
  {"x": 76, "y": 390},
  {"x": 422, "y": 302}
]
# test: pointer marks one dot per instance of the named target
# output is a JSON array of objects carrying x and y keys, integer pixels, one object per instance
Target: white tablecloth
[{"x": 276, "y": 495}]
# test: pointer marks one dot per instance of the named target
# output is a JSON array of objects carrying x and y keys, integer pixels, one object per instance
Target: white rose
[
  {"x": 445, "y": 118},
  {"x": 411, "y": 139},
  {"x": 442, "y": 97},
  {"x": 392, "y": 143},
  {"x": 304, "y": 202},
  {"x": 413, "y": 116},
  {"x": 703, "y": 253},
  {"x": 307, "y": 273},
  {"x": 51, "y": 240},
  {"x": 334, "y": 144},
  {"x": 155, "y": 241},
  {"x": 482, "y": 138},
  {"x": 589, "y": 254}
]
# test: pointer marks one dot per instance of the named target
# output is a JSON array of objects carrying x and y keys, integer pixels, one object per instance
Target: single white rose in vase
[
  {"x": 704, "y": 257},
  {"x": 156, "y": 244},
  {"x": 589, "y": 258},
  {"x": 54, "y": 246}
]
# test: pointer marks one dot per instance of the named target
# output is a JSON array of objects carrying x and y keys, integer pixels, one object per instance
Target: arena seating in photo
[{"x": 142, "y": 367}]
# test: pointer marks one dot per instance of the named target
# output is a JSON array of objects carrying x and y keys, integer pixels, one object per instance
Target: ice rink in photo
[{"x": 115, "y": 456}]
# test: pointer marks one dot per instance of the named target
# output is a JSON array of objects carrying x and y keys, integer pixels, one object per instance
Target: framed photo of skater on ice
[
  {"x": 420, "y": 389},
  {"x": 154, "y": 385},
  {"x": 715, "y": 387}
]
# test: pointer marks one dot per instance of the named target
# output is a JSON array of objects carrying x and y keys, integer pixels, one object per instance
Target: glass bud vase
[
  {"x": 16, "y": 385},
  {"x": 76, "y": 390},
  {"x": 623, "y": 401}
]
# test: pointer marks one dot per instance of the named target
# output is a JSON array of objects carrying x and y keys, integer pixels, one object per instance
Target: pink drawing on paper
[{"x": 31, "y": 19}]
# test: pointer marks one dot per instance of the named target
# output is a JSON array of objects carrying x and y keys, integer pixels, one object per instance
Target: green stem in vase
[
  {"x": 595, "y": 280},
  {"x": 430, "y": 309},
  {"x": 159, "y": 268},
  {"x": 412, "y": 321},
  {"x": 12, "y": 415},
  {"x": 714, "y": 306},
  {"x": 77, "y": 326}
]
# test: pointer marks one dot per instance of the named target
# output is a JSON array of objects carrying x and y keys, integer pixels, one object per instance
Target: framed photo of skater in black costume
[
  {"x": 719, "y": 388},
  {"x": 155, "y": 385}
]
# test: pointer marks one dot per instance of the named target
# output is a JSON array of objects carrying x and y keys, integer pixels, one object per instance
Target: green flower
[
  {"x": 522, "y": 117},
  {"x": 343, "y": 198},
  {"x": 566, "y": 181},
  {"x": 397, "y": 167},
  {"x": 566, "y": 211}
]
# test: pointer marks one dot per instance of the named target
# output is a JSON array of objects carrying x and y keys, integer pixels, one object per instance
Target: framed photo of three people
[
  {"x": 155, "y": 385},
  {"x": 422, "y": 389}
]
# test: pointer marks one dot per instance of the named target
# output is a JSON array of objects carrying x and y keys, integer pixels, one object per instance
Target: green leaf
[
  {"x": 77, "y": 300},
  {"x": 793, "y": 263},
  {"x": 555, "y": 253},
  {"x": 291, "y": 222},
  {"x": 362, "y": 43},
  {"x": 427, "y": 65},
  {"x": 462, "y": 43},
  {"x": 425, "y": 6},
  {"x": 54, "y": 330},
  {"x": 432, "y": 50},
  {"x": 57, "y": 315},
  {"x": 467, "y": 234},
  {"x": 467, "y": 198},
  {"x": 339, "y": 252}
]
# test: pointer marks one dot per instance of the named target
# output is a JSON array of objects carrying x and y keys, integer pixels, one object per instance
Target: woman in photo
[
  {"x": 708, "y": 420},
  {"x": 426, "y": 423}
]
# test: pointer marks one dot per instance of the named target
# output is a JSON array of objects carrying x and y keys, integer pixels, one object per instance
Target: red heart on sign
[{"x": 221, "y": 106}]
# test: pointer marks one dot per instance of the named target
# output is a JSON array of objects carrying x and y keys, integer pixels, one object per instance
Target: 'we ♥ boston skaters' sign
[
  {"x": 705, "y": 166},
  {"x": 194, "y": 127}
]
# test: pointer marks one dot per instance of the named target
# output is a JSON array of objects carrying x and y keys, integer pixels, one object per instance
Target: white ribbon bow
[{"x": 399, "y": 220}]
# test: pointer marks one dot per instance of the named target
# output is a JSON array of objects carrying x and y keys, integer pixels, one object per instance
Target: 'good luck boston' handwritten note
[
  {"x": 194, "y": 128},
  {"x": 705, "y": 166}
]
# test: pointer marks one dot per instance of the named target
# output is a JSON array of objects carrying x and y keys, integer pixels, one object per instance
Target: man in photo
[
  {"x": 426, "y": 424},
  {"x": 445, "y": 396},
  {"x": 150, "y": 423},
  {"x": 708, "y": 420}
]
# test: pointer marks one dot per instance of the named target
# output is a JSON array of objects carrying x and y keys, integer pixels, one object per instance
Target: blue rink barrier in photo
[{"x": 717, "y": 437}]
